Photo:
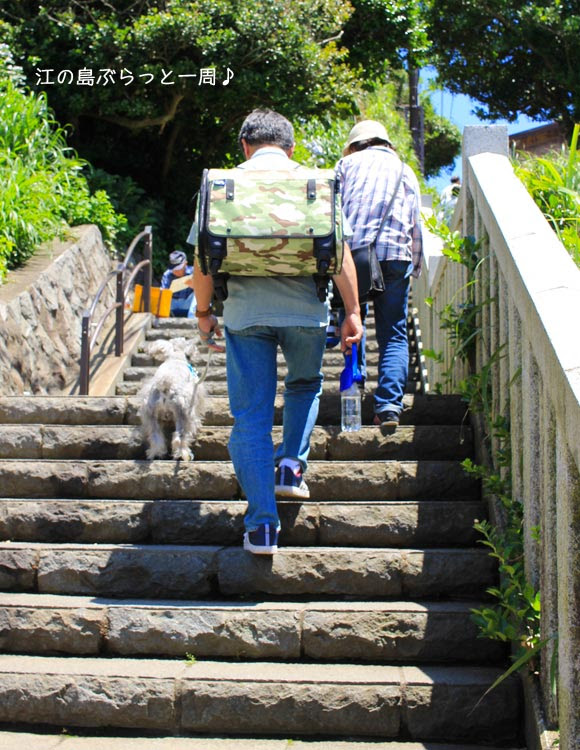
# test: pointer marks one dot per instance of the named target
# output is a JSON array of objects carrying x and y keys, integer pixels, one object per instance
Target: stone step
[
  {"x": 183, "y": 327},
  {"x": 327, "y": 480},
  {"x": 333, "y": 362},
  {"x": 126, "y": 441},
  {"x": 332, "y": 357},
  {"x": 433, "y": 703},
  {"x": 188, "y": 572},
  {"x": 160, "y": 334},
  {"x": 46, "y": 741},
  {"x": 187, "y": 323},
  {"x": 426, "y": 523},
  {"x": 218, "y": 374},
  {"x": 399, "y": 631},
  {"x": 219, "y": 387},
  {"x": 418, "y": 409}
]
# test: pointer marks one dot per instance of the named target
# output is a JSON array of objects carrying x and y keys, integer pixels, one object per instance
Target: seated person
[{"x": 178, "y": 277}]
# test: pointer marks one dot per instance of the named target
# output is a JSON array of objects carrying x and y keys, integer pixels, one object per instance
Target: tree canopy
[
  {"x": 160, "y": 100},
  {"x": 155, "y": 90},
  {"x": 383, "y": 34},
  {"x": 513, "y": 56}
]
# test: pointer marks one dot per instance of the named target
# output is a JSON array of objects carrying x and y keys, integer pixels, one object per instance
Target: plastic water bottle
[
  {"x": 350, "y": 400},
  {"x": 350, "y": 409}
]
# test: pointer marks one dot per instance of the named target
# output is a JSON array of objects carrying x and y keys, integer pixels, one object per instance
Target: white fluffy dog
[{"x": 175, "y": 398}]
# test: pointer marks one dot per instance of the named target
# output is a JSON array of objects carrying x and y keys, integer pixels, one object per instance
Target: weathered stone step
[
  {"x": 327, "y": 480},
  {"x": 126, "y": 441},
  {"x": 45, "y": 741},
  {"x": 219, "y": 387},
  {"x": 218, "y": 374},
  {"x": 324, "y": 631},
  {"x": 418, "y": 409},
  {"x": 186, "y": 572},
  {"x": 156, "y": 334},
  {"x": 332, "y": 357},
  {"x": 237, "y": 698},
  {"x": 188, "y": 323},
  {"x": 333, "y": 362},
  {"x": 427, "y": 523}
]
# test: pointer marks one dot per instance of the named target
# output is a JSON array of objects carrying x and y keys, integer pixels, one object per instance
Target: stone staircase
[{"x": 131, "y": 616}]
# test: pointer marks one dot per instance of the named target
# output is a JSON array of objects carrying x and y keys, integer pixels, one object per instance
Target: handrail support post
[
  {"x": 148, "y": 252},
  {"x": 120, "y": 312},
  {"x": 85, "y": 354}
]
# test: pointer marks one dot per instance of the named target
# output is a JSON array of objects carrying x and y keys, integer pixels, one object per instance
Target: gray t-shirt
[{"x": 272, "y": 301}]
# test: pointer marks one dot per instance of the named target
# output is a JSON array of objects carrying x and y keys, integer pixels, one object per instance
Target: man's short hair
[{"x": 266, "y": 126}]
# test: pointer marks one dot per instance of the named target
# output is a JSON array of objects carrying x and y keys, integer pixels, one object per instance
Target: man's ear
[
  {"x": 290, "y": 151},
  {"x": 245, "y": 148}
]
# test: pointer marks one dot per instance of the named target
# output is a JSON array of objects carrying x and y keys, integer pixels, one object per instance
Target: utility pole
[{"x": 416, "y": 119}]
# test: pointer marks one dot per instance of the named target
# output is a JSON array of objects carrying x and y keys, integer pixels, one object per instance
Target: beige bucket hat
[{"x": 364, "y": 131}]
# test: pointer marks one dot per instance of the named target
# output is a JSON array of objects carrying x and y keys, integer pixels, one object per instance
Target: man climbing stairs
[{"x": 129, "y": 609}]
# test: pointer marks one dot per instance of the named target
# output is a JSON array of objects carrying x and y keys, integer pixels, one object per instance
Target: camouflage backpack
[{"x": 270, "y": 223}]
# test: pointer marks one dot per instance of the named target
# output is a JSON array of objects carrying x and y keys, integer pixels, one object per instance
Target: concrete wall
[
  {"x": 533, "y": 321},
  {"x": 40, "y": 313}
]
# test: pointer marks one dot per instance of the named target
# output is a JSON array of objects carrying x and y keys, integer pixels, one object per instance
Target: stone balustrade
[{"x": 530, "y": 290}]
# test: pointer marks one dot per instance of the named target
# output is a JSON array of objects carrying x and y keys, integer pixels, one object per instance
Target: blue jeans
[
  {"x": 252, "y": 378},
  {"x": 391, "y": 327}
]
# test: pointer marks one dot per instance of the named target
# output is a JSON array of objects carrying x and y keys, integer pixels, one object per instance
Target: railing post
[
  {"x": 120, "y": 312},
  {"x": 148, "y": 269},
  {"x": 85, "y": 354}
]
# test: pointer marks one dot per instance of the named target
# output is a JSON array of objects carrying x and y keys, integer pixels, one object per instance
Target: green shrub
[
  {"x": 42, "y": 188},
  {"x": 79, "y": 206},
  {"x": 553, "y": 181}
]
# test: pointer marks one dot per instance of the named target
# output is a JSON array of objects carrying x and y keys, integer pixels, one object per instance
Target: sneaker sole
[
  {"x": 387, "y": 423},
  {"x": 284, "y": 491},
  {"x": 260, "y": 550}
]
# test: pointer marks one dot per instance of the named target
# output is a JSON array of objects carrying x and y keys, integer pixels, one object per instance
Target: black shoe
[{"x": 387, "y": 419}]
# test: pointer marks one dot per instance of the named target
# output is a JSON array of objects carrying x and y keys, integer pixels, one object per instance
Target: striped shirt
[{"x": 368, "y": 179}]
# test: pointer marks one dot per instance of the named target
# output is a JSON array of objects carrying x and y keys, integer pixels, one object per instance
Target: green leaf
[{"x": 518, "y": 664}]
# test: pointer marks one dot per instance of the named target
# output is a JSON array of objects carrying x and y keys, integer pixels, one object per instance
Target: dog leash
[{"x": 212, "y": 346}]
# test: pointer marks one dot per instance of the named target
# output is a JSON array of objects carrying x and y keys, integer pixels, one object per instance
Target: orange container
[{"x": 160, "y": 301}]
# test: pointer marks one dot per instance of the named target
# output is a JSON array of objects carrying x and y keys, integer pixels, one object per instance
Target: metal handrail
[{"x": 122, "y": 289}]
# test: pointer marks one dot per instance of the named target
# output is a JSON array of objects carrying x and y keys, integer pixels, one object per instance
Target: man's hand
[
  {"x": 208, "y": 329},
  {"x": 351, "y": 331}
]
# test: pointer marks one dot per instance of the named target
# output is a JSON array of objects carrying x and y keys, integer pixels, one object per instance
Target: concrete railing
[{"x": 534, "y": 319}]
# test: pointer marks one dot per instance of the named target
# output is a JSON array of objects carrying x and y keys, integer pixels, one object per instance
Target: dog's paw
[{"x": 183, "y": 455}]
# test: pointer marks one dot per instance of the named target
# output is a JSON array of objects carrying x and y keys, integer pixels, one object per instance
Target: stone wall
[{"x": 41, "y": 306}]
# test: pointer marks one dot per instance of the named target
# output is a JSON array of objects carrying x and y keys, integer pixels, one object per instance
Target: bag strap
[{"x": 390, "y": 203}]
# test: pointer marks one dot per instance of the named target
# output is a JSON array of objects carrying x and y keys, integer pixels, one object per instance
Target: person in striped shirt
[{"x": 370, "y": 173}]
